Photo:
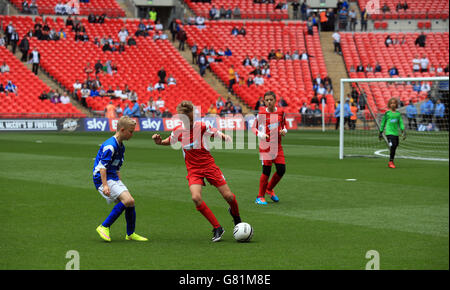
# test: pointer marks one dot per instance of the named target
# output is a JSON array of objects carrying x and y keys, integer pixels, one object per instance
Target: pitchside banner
[{"x": 237, "y": 122}]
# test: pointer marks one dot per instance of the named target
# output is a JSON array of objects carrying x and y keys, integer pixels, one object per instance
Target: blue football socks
[
  {"x": 115, "y": 213},
  {"x": 130, "y": 216}
]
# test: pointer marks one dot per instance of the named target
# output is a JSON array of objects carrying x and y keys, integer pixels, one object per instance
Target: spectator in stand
[
  {"x": 160, "y": 106},
  {"x": 162, "y": 75},
  {"x": 242, "y": 31},
  {"x": 150, "y": 109},
  {"x": 231, "y": 78},
  {"x": 34, "y": 7},
  {"x": 2, "y": 39},
  {"x": 388, "y": 41},
  {"x": 110, "y": 111},
  {"x": 295, "y": 5},
  {"x": 135, "y": 110},
  {"x": 202, "y": 63},
  {"x": 236, "y": 12},
  {"x": 171, "y": 81},
  {"x": 259, "y": 104},
  {"x": 304, "y": 111},
  {"x": 127, "y": 110},
  {"x": 4, "y": 68},
  {"x": 309, "y": 26},
  {"x": 426, "y": 109},
  {"x": 200, "y": 21},
  {"x": 393, "y": 71},
  {"x": 25, "y": 7},
  {"x": 424, "y": 61},
  {"x": 213, "y": 12},
  {"x": 166, "y": 114},
  {"x": 369, "y": 68},
  {"x": 159, "y": 86},
  {"x": 425, "y": 87},
  {"x": 98, "y": 67},
  {"x": 439, "y": 115},
  {"x": 153, "y": 15},
  {"x": 55, "y": 98},
  {"x": 353, "y": 117},
  {"x": 259, "y": 80},
  {"x": 352, "y": 16},
  {"x": 85, "y": 93},
  {"x": 342, "y": 18},
  {"x": 321, "y": 89},
  {"x": 416, "y": 64},
  {"x": 360, "y": 68},
  {"x": 11, "y": 88},
  {"x": 282, "y": 102},
  {"x": 411, "y": 114},
  {"x": 421, "y": 40},
  {"x": 212, "y": 110},
  {"x": 377, "y": 68},
  {"x": 347, "y": 113},
  {"x": 364, "y": 17},
  {"x": 35, "y": 58},
  {"x": 64, "y": 98},
  {"x": 182, "y": 37},
  {"x": 416, "y": 86},
  {"x": 76, "y": 87},
  {"x": 337, "y": 42},
  {"x": 385, "y": 8},
  {"x": 235, "y": 31}
]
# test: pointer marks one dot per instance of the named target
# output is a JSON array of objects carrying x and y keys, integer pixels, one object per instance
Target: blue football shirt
[{"x": 109, "y": 156}]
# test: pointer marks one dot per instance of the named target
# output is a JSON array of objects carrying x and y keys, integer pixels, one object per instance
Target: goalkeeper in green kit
[{"x": 392, "y": 121}]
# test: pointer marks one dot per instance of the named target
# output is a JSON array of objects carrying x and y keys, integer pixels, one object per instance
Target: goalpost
[{"x": 427, "y": 137}]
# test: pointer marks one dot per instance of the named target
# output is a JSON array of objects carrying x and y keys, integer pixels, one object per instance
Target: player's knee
[
  {"x": 129, "y": 202},
  {"x": 281, "y": 169},
  {"x": 266, "y": 170},
  {"x": 197, "y": 199}
]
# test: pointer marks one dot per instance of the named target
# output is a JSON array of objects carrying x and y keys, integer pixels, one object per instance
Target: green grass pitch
[{"x": 49, "y": 206}]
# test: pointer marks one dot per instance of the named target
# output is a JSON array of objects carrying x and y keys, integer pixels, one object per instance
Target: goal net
[{"x": 424, "y": 107}]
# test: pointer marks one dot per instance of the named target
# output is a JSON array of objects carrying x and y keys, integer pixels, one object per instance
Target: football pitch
[{"x": 331, "y": 212}]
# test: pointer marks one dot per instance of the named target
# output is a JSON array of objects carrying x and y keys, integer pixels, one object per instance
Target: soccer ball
[{"x": 243, "y": 232}]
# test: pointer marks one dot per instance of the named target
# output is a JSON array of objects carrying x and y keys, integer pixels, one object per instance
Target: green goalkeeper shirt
[{"x": 392, "y": 121}]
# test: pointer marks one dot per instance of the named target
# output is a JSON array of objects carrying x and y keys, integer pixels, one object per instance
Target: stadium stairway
[
  {"x": 209, "y": 77},
  {"x": 334, "y": 63}
]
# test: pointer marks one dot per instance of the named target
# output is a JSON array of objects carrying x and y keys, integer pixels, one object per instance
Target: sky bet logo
[
  {"x": 154, "y": 124},
  {"x": 100, "y": 124}
]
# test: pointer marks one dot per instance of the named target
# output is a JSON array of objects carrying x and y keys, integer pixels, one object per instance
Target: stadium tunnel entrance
[{"x": 166, "y": 10}]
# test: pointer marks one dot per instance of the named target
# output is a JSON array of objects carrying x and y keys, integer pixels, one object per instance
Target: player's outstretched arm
[{"x": 158, "y": 140}]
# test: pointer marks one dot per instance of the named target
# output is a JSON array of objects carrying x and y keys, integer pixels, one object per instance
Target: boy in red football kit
[
  {"x": 270, "y": 126},
  {"x": 200, "y": 164}
]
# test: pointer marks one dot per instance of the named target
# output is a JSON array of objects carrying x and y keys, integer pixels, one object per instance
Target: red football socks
[
  {"x": 273, "y": 181},
  {"x": 207, "y": 213},
  {"x": 234, "y": 206},
  {"x": 263, "y": 185}
]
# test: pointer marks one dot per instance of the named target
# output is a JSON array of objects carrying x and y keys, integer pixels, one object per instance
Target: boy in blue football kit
[{"x": 106, "y": 176}]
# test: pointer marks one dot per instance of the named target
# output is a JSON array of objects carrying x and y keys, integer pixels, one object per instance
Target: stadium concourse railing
[{"x": 72, "y": 122}]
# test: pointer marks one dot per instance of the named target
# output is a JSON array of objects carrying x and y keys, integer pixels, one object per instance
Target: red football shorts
[
  {"x": 211, "y": 173},
  {"x": 267, "y": 159}
]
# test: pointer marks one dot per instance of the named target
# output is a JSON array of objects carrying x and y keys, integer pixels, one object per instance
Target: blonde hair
[
  {"x": 125, "y": 122},
  {"x": 185, "y": 107}
]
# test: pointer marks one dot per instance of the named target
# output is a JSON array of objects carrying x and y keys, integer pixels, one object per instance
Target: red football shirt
[
  {"x": 269, "y": 123},
  {"x": 193, "y": 142}
]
